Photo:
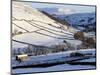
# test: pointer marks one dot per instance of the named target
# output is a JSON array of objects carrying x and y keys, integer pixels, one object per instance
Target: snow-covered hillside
[
  {"x": 73, "y": 18},
  {"x": 39, "y": 39},
  {"x": 84, "y": 21},
  {"x": 78, "y": 18},
  {"x": 37, "y": 28}
]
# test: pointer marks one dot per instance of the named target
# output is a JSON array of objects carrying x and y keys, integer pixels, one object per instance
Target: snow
[
  {"x": 18, "y": 45},
  {"x": 88, "y": 60},
  {"x": 90, "y": 34},
  {"x": 52, "y": 58},
  {"x": 63, "y": 67},
  {"x": 75, "y": 19},
  {"x": 31, "y": 19},
  {"x": 35, "y": 21},
  {"x": 25, "y": 11}
]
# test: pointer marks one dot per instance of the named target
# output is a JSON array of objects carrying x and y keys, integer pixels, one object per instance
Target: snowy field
[
  {"x": 62, "y": 67},
  {"x": 52, "y": 58},
  {"x": 29, "y": 25}
]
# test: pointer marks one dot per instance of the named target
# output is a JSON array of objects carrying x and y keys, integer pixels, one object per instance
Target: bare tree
[{"x": 79, "y": 35}]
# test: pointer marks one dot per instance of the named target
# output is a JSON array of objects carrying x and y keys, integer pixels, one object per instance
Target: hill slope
[{"x": 37, "y": 28}]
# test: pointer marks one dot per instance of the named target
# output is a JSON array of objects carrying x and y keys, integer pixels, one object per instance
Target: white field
[
  {"x": 63, "y": 67},
  {"x": 51, "y": 58},
  {"x": 32, "y": 20},
  {"x": 24, "y": 15}
]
